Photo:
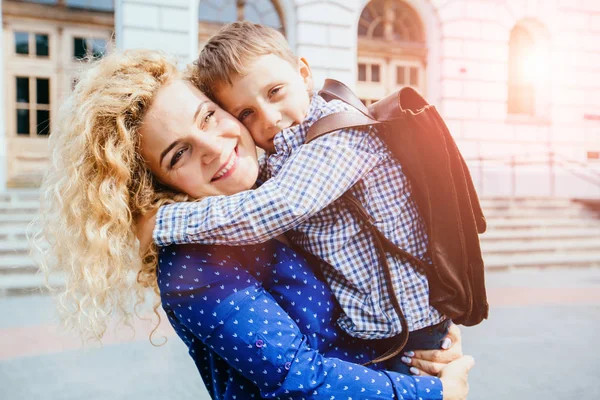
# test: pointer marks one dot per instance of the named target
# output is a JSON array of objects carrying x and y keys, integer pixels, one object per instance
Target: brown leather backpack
[{"x": 442, "y": 187}]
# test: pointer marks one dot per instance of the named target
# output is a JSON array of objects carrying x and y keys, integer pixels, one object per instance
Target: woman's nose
[{"x": 210, "y": 149}]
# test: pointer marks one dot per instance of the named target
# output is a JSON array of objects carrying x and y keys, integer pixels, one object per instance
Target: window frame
[
  {"x": 73, "y": 66},
  {"x": 391, "y": 52},
  {"x": 206, "y": 28},
  {"x": 33, "y": 106},
  {"x": 540, "y": 91},
  {"x": 31, "y": 30}
]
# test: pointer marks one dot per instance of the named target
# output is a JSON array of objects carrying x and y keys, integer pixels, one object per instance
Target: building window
[
  {"x": 521, "y": 92},
  {"x": 391, "y": 49},
  {"x": 262, "y": 12},
  {"x": 390, "y": 20},
  {"x": 368, "y": 72},
  {"x": 89, "y": 47},
  {"x": 408, "y": 76},
  {"x": 32, "y": 106},
  {"x": 32, "y": 44}
]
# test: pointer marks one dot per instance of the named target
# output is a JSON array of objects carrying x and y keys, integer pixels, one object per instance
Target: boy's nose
[{"x": 272, "y": 118}]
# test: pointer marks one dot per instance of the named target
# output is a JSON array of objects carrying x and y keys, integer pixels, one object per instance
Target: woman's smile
[
  {"x": 229, "y": 167},
  {"x": 215, "y": 154}
]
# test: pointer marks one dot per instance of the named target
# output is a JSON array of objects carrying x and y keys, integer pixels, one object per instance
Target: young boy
[{"x": 252, "y": 73}]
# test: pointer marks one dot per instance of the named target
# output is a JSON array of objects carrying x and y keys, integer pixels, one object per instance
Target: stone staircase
[
  {"x": 540, "y": 232},
  {"x": 527, "y": 232},
  {"x": 18, "y": 273}
]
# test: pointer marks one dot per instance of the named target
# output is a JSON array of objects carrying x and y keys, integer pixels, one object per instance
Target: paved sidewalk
[{"x": 537, "y": 344}]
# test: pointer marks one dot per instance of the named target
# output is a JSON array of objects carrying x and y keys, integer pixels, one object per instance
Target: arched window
[
  {"x": 521, "y": 93},
  {"x": 391, "y": 21},
  {"x": 212, "y": 14},
  {"x": 391, "y": 49}
]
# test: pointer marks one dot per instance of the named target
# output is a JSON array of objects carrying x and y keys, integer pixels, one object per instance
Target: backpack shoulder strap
[
  {"x": 333, "y": 89},
  {"x": 336, "y": 121}
]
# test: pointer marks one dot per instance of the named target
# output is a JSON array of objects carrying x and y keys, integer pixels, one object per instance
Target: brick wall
[
  {"x": 467, "y": 73},
  {"x": 468, "y": 44}
]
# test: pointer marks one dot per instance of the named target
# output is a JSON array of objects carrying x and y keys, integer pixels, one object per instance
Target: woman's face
[{"x": 193, "y": 146}]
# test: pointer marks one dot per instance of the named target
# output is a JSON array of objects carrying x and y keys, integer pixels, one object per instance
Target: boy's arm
[
  {"x": 263, "y": 170},
  {"x": 314, "y": 176}
]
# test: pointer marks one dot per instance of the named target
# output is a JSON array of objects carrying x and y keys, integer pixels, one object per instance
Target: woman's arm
[{"x": 231, "y": 313}]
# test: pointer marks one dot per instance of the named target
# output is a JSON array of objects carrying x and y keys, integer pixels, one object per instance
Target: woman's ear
[{"x": 306, "y": 73}]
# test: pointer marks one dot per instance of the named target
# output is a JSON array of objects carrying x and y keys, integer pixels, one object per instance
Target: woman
[{"x": 256, "y": 320}]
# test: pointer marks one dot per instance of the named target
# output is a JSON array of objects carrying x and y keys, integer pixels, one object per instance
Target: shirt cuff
[
  {"x": 171, "y": 225},
  {"x": 415, "y": 387},
  {"x": 429, "y": 387}
]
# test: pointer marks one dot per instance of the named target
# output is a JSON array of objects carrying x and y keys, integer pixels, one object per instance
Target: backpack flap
[{"x": 450, "y": 207}]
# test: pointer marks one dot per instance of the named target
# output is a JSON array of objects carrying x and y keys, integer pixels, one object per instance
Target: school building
[{"x": 517, "y": 81}]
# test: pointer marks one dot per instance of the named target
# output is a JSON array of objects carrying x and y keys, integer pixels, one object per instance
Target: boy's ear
[{"x": 306, "y": 73}]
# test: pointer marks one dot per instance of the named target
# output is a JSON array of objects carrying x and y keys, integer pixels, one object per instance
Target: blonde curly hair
[{"x": 96, "y": 186}]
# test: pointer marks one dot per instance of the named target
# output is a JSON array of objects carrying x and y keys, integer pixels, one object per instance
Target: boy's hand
[
  {"x": 431, "y": 362},
  {"x": 454, "y": 378},
  {"x": 144, "y": 226}
]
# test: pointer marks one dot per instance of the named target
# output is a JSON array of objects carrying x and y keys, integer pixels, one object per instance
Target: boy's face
[{"x": 272, "y": 96}]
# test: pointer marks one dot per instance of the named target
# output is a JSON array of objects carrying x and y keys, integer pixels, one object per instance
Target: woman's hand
[
  {"x": 431, "y": 362},
  {"x": 454, "y": 378},
  {"x": 144, "y": 226}
]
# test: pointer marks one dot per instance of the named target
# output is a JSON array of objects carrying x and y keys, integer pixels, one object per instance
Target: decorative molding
[{"x": 12, "y": 9}]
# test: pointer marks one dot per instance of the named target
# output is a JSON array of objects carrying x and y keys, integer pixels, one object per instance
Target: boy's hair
[{"x": 229, "y": 52}]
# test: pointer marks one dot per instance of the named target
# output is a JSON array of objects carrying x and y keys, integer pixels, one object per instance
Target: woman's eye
[
  {"x": 177, "y": 156},
  {"x": 244, "y": 114}
]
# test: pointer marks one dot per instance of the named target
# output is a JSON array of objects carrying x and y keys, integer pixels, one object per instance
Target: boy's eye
[
  {"x": 244, "y": 114},
  {"x": 274, "y": 91}
]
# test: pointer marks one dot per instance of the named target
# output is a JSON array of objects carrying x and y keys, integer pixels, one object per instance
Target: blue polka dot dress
[{"x": 259, "y": 324}]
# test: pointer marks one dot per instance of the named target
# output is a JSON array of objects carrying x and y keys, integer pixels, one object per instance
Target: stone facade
[
  {"x": 466, "y": 76},
  {"x": 3, "y": 160}
]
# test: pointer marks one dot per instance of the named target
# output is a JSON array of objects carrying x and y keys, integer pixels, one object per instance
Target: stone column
[
  {"x": 3, "y": 144},
  {"x": 167, "y": 25},
  {"x": 327, "y": 38}
]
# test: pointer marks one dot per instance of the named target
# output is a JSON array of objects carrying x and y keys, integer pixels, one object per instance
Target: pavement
[{"x": 538, "y": 343}]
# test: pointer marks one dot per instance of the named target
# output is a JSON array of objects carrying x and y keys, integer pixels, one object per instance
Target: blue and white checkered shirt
[{"x": 305, "y": 180}]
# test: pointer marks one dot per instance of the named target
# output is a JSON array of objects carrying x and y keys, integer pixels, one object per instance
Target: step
[
  {"x": 14, "y": 263},
  {"x": 537, "y": 233},
  {"x": 574, "y": 211},
  {"x": 28, "y": 283},
  {"x": 14, "y": 232},
  {"x": 534, "y": 202},
  {"x": 540, "y": 212},
  {"x": 513, "y": 223},
  {"x": 16, "y": 195},
  {"x": 20, "y": 206},
  {"x": 542, "y": 260},
  {"x": 14, "y": 247},
  {"x": 541, "y": 246},
  {"x": 16, "y": 218}
]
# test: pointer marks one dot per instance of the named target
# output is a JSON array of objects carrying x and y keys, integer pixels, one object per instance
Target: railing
[{"x": 553, "y": 160}]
